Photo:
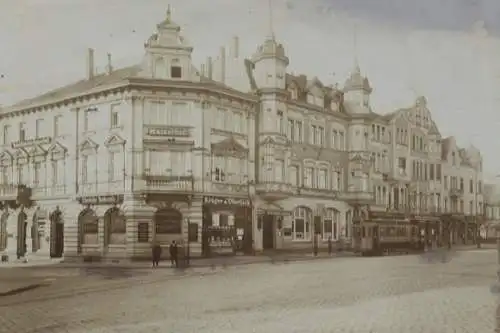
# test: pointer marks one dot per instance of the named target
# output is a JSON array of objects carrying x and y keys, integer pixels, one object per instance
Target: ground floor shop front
[{"x": 302, "y": 223}]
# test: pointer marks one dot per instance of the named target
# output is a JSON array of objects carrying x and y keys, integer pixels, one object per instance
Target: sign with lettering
[
  {"x": 168, "y": 131},
  {"x": 101, "y": 199},
  {"x": 226, "y": 201},
  {"x": 30, "y": 142}
]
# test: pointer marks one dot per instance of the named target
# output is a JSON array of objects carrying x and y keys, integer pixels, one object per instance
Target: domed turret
[{"x": 357, "y": 92}]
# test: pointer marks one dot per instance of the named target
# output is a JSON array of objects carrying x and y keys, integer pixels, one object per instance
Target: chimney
[
  {"x": 209, "y": 68},
  {"x": 109, "y": 67},
  {"x": 202, "y": 70},
  {"x": 236, "y": 47},
  {"x": 90, "y": 64},
  {"x": 223, "y": 64}
]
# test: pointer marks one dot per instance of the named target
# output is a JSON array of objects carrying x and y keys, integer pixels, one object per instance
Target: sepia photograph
[{"x": 249, "y": 166}]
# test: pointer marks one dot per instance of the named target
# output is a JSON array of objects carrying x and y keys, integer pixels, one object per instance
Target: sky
[{"x": 445, "y": 50}]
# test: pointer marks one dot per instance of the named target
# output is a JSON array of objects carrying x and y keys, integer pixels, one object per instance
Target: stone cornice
[{"x": 126, "y": 86}]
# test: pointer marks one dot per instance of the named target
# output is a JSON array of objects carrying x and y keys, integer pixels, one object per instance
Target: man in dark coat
[
  {"x": 174, "y": 254},
  {"x": 156, "y": 252}
]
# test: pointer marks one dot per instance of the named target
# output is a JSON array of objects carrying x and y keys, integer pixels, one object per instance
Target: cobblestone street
[{"x": 378, "y": 295}]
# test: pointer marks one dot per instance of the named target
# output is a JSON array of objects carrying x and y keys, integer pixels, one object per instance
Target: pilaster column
[
  {"x": 195, "y": 216},
  {"x": 12, "y": 234},
  {"x": 70, "y": 212},
  {"x": 138, "y": 214}
]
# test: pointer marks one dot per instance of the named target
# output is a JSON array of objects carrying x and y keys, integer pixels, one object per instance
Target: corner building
[
  {"x": 240, "y": 153},
  {"x": 130, "y": 155}
]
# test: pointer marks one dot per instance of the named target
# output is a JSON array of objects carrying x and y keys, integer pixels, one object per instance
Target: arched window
[
  {"x": 331, "y": 224},
  {"x": 301, "y": 224}
]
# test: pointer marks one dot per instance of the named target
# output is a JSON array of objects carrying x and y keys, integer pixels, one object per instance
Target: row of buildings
[{"x": 167, "y": 150}]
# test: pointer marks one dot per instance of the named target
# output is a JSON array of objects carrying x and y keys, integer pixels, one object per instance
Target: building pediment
[
  {"x": 88, "y": 144},
  {"x": 6, "y": 157},
  {"x": 57, "y": 148},
  {"x": 268, "y": 141},
  {"x": 21, "y": 153},
  {"x": 229, "y": 146},
  {"x": 37, "y": 151},
  {"x": 114, "y": 140}
]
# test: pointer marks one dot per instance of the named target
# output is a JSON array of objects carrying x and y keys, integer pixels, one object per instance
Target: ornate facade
[{"x": 165, "y": 151}]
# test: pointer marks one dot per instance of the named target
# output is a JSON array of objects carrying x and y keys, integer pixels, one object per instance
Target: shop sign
[
  {"x": 101, "y": 200},
  {"x": 168, "y": 131},
  {"x": 225, "y": 201},
  {"x": 31, "y": 142}
]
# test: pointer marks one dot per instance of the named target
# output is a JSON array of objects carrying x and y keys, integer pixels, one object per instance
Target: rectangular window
[
  {"x": 321, "y": 136},
  {"x": 298, "y": 132},
  {"x": 322, "y": 179},
  {"x": 279, "y": 171},
  {"x": 471, "y": 186},
  {"x": 86, "y": 119},
  {"x": 36, "y": 173},
  {"x": 438, "y": 172},
  {"x": 280, "y": 122},
  {"x": 39, "y": 128},
  {"x": 312, "y": 135},
  {"x": 85, "y": 170},
  {"x": 6, "y": 134},
  {"x": 55, "y": 173},
  {"x": 22, "y": 132},
  {"x": 341, "y": 141},
  {"x": 290, "y": 130},
  {"x": 111, "y": 166},
  {"x": 114, "y": 115},
  {"x": 308, "y": 181},
  {"x": 293, "y": 176},
  {"x": 20, "y": 174},
  {"x": 175, "y": 72},
  {"x": 57, "y": 124},
  {"x": 335, "y": 140}
]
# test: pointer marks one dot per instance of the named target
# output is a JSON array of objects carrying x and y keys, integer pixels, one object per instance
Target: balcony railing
[
  {"x": 456, "y": 192},
  {"x": 359, "y": 197},
  {"x": 168, "y": 183},
  {"x": 275, "y": 189},
  {"x": 8, "y": 191}
]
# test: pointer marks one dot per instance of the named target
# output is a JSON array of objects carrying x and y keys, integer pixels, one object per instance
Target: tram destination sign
[{"x": 225, "y": 201}]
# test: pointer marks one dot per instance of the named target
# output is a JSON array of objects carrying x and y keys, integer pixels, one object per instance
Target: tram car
[{"x": 384, "y": 233}]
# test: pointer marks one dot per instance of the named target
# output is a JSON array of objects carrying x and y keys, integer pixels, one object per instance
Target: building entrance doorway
[
  {"x": 268, "y": 232},
  {"x": 56, "y": 234}
]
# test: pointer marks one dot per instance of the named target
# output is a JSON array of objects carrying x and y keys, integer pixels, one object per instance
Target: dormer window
[{"x": 175, "y": 72}]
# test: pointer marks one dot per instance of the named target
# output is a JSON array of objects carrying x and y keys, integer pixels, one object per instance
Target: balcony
[
  {"x": 357, "y": 197},
  {"x": 168, "y": 184},
  {"x": 456, "y": 192},
  {"x": 8, "y": 192},
  {"x": 274, "y": 190}
]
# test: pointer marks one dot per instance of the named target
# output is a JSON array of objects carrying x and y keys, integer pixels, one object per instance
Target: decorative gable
[
  {"x": 114, "y": 140},
  {"x": 6, "y": 158},
  {"x": 57, "y": 151},
  {"x": 229, "y": 147},
  {"x": 88, "y": 145},
  {"x": 21, "y": 156}
]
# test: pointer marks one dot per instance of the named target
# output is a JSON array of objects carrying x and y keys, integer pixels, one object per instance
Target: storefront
[{"x": 227, "y": 225}]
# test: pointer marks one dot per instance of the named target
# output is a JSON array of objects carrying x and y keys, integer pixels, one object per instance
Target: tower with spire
[
  {"x": 357, "y": 92},
  {"x": 270, "y": 61},
  {"x": 167, "y": 52}
]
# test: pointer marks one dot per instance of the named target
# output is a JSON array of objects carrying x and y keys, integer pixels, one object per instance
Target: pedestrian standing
[
  {"x": 156, "y": 253},
  {"x": 173, "y": 249},
  {"x": 330, "y": 245}
]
